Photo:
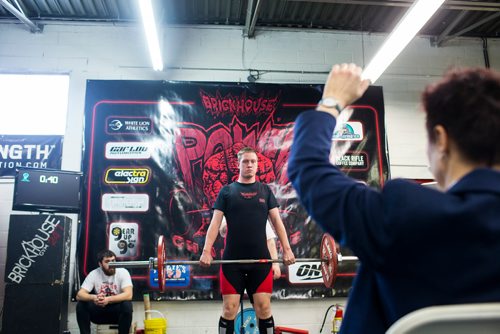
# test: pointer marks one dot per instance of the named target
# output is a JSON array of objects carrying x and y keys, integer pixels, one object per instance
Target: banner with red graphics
[{"x": 156, "y": 154}]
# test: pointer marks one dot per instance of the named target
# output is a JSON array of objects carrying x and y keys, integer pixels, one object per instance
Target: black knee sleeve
[
  {"x": 266, "y": 326},
  {"x": 226, "y": 326}
]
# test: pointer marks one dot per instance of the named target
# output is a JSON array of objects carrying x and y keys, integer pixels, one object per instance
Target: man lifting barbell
[{"x": 246, "y": 204}]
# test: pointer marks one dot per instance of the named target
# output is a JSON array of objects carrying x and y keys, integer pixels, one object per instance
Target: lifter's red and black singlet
[{"x": 246, "y": 208}]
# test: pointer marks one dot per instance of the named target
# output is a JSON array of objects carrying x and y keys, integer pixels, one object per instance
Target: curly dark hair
[
  {"x": 466, "y": 102},
  {"x": 104, "y": 253}
]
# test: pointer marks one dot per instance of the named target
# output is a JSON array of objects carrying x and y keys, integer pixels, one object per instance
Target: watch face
[{"x": 329, "y": 102}]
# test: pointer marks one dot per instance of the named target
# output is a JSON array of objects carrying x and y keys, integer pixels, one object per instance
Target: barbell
[{"x": 329, "y": 258}]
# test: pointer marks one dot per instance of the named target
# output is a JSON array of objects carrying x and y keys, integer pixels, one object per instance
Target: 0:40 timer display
[{"x": 49, "y": 179}]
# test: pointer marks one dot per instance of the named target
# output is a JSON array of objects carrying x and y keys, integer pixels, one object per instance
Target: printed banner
[
  {"x": 157, "y": 153},
  {"x": 29, "y": 151}
]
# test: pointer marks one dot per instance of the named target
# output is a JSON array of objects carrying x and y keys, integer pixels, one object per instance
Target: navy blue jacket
[{"x": 417, "y": 246}]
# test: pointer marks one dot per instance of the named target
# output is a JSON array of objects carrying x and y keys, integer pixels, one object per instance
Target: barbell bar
[{"x": 329, "y": 259}]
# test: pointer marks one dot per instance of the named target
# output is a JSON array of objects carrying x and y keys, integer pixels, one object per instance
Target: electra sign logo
[
  {"x": 119, "y": 176},
  {"x": 305, "y": 273},
  {"x": 127, "y": 150},
  {"x": 33, "y": 249}
]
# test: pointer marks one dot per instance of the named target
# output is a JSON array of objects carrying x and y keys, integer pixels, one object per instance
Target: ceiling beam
[
  {"x": 251, "y": 18},
  {"x": 251, "y": 30},
  {"x": 471, "y": 27},
  {"x": 438, "y": 40},
  {"x": 450, "y": 4},
  {"x": 248, "y": 19},
  {"x": 34, "y": 28}
]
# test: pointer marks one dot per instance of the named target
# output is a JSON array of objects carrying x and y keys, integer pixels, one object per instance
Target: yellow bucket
[{"x": 155, "y": 325}]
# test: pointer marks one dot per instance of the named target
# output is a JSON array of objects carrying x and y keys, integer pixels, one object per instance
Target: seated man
[{"x": 105, "y": 296}]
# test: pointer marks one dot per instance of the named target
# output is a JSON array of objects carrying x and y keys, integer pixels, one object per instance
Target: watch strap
[{"x": 332, "y": 104}]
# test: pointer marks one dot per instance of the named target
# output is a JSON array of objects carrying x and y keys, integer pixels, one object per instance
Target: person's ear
[{"x": 442, "y": 141}]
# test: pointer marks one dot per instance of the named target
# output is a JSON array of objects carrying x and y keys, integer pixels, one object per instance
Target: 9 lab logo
[{"x": 132, "y": 175}]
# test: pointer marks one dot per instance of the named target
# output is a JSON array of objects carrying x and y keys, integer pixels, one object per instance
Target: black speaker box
[
  {"x": 35, "y": 309},
  {"x": 38, "y": 249},
  {"x": 36, "y": 275}
]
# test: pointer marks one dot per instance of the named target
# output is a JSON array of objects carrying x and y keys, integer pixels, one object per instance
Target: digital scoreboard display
[{"x": 47, "y": 190}]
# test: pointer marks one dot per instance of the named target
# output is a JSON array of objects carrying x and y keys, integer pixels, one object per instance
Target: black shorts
[{"x": 255, "y": 278}]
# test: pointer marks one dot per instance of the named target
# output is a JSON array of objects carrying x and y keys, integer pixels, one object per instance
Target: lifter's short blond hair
[{"x": 245, "y": 150}]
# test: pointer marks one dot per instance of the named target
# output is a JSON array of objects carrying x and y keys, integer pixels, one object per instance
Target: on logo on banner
[{"x": 305, "y": 273}]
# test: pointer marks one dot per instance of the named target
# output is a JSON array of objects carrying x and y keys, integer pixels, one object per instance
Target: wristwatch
[{"x": 330, "y": 102}]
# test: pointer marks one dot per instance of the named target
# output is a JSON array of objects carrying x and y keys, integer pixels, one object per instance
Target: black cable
[
  {"x": 242, "y": 327},
  {"x": 326, "y": 313},
  {"x": 485, "y": 52}
]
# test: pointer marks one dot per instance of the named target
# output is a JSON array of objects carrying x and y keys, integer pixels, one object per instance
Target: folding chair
[{"x": 481, "y": 318}]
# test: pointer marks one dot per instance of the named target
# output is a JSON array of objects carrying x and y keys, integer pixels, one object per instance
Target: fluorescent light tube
[
  {"x": 148, "y": 20},
  {"x": 415, "y": 18}
]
